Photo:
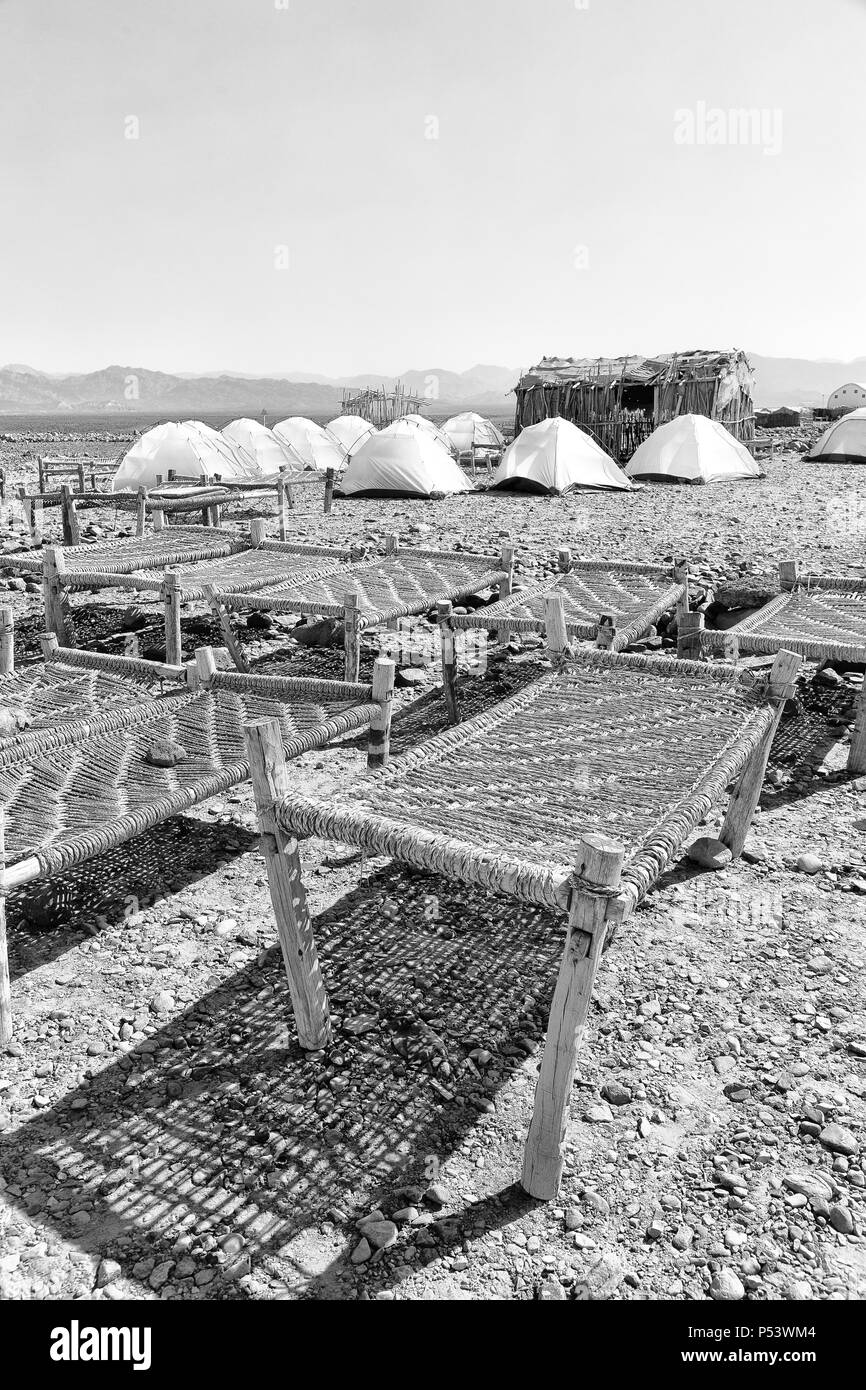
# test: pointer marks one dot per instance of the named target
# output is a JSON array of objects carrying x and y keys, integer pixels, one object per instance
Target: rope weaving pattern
[
  {"x": 502, "y": 800},
  {"x": 817, "y": 623}
]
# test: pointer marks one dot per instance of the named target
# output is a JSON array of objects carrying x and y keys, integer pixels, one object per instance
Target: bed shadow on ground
[
  {"x": 50, "y": 916},
  {"x": 220, "y": 1125}
]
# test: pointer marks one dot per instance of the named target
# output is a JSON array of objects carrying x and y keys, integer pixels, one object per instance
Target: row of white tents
[{"x": 248, "y": 450}]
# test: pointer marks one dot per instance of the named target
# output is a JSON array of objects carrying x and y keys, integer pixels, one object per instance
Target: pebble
[
  {"x": 709, "y": 853},
  {"x": 809, "y": 864},
  {"x": 361, "y": 1252},
  {"x": 726, "y": 1287},
  {"x": 379, "y": 1233},
  {"x": 839, "y": 1139},
  {"x": 616, "y": 1094},
  {"x": 841, "y": 1220},
  {"x": 598, "y": 1115}
]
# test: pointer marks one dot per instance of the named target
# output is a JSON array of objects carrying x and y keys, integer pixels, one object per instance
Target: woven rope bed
[
  {"x": 823, "y": 617},
  {"x": 633, "y": 597},
  {"x": 574, "y": 794},
  {"x": 401, "y": 585},
  {"x": 80, "y": 780}
]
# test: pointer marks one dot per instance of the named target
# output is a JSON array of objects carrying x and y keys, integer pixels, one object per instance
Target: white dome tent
[
  {"x": 470, "y": 431},
  {"x": 255, "y": 439},
  {"x": 418, "y": 422},
  {"x": 555, "y": 456},
  {"x": 692, "y": 449},
  {"x": 350, "y": 431},
  {"x": 844, "y": 441},
  {"x": 404, "y": 463},
  {"x": 318, "y": 448},
  {"x": 187, "y": 450}
]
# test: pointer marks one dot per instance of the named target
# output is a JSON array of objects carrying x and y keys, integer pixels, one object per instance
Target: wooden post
[
  {"x": 141, "y": 511},
  {"x": 392, "y": 544},
  {"x": 5, "y": 987},
  {"x": 69, "y": 517},
  {"x": 741, "y": 807},
  {"x": 7, "y": 641},
  {"x": 282, "y": 860},
  {"x": 40, "y": 465},
  {"x": 27, "y": 510},
  {"x": 53, "y": 568},
  {"x": 352, "y": 636},
  {"x": 449, "y": 659},
  {"x": 857, "y": 754},
  {"x": 158, "y": 519},
  {"x": 81, "y": 482},
  {"x": 214, "y": 515},
  {"x": 506, "y": 562},
  {"x": 224, "y": 621},
  {"x": 689, "y": 629},
  {"x": 606, "y": 633},
  {"x": 596, "y": 880},
  {"x": 171, "y": 601},
  {"x": 554, "y": 624},
  {"x": 49, "y": 645},
  {"x": 564, "y": 560},
  {"x": 205, "y": 665},
  {"x": 329, "y": 489},
  {"x": 380, "y": 722},
  {"x": 681, "y": 575},
  {"x": 788, "y": 573},
  {"x": 282, "y": 507},
  {"x": 258, "y": 528}
]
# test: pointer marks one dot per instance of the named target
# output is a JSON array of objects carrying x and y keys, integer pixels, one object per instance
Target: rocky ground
[{"x": 163, "y": 1136}]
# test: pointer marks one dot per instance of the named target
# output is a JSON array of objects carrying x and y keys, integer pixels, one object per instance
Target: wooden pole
[
  {"x": 606, "y": 633},
  {"x": 681, "y": 575},
  {"x": 69, "y": 517},
  {"x": 7, "y": 641},
  {"x": 741, "y": 806},
  {"x": 257, "y": 530},
  {"x": 689, "y": 629},
  {"x": 788, "y": 574},
  {"x": 380, "y": 721},
  {"x": 352, "y": 635},
  {"x": 224, "y": 621},
  {"x": 81, "y": 482},
  {"x": 392, "y": 544},
  {"x": 5, "y": 987},
  {"x": 449, "y": 659},
  {"x": 171, "y": 600},
  {"x": 554, "y": 624},
  {"x": 158, "y": 519},
  {"x": 282, "y": 860},
  {"x": 53, "y": 567},
  {"x": 857, "y": 754},
  {"x": 141, "y": 511},
  {"x": 283, "y": 507},
  {"x": 40, "y": 465},
  {"x": 595, "y": 882},
  {"x": 329, "y": 489},
  {"x": 49, "y": 645},
  {"x": 564, "y": 559},
  {"x": 506, "y": 562},
  {"x": 205, "y": 665}
]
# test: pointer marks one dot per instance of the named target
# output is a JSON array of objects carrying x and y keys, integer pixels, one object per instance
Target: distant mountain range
[{"x": 133, "y": 390}]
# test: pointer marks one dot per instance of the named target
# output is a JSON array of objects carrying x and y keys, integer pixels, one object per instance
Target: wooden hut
[
  {"x": 380, "y": 406},
  {"x": 621, "y": 400}
]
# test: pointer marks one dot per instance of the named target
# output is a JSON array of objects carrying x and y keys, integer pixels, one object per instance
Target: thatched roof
[{"x": 647, "y": 371}]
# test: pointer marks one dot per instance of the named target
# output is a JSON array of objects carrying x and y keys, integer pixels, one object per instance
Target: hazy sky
[{"x": 561, "y": 206}]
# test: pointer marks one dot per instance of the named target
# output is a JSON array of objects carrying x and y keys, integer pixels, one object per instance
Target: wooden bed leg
[
  {"x": 7, "y": 641},
  {"x": 224, "y": 621},
  {"x": 596, "y": 878},
  {"x": 564, "y": 560},
  {"x": 857, "y": 755},
  {"x": 158, "y": 519},
  {"x": 71, "y": 529},
  {"x": 449, "y": 659},
  {"x": 205, "y": 665},
  {"x": 49, "y": 644},
  {"x": 689, "y": 629},
  {"x": 554, "y": 624},
  {"x": 215, "y": 515},
  {"x": 282, "y": 508},
  {"x": 140, "y": 511},
  {"x": 352, "y": 636},
  {"x": 5, "y": 988},
  {"x": 741, "y": 807},
  {"x": 392, "y": 544},
  {"x": 606, "y": 633},
  {"x": 171, "y": 601},
  {"x": 329, "y": 490},
  {"x": 282, "y": 859},
  {"x": 380, "y": 723},
  {"x": 681, "y": 575},
  {"x": 257, "y": 531},
  {"x": 52, "y": 592},
  {"x": 40, "y": 466},
  {"x": 506, "y": 563},
  {"x": 788, "y": 574}
]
